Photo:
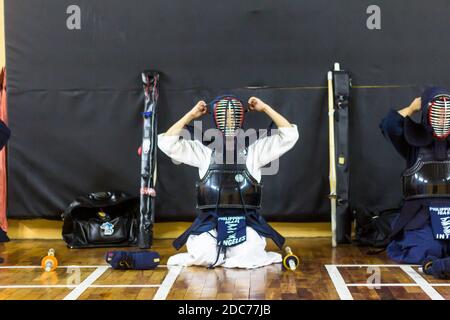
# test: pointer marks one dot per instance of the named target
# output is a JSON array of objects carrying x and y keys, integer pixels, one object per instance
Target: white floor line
[
  {"x": 37, "y": 286},
  {"x": 373, "y": 265},
  {"x": 20, "y": 267},
  {"x": 168, "y": 282},
  {"x": 424, "y": 284},
  {"x": 65, "y": 267},
  {"x": 382, "y": 285},
  {"x": 78, "y": 291},
  {"x": 72, "y": 286},
  {"x": 90, "y": 267},
  {"x": 339, "y": 282},
  {"x": 124, "y": 286},
  {"x": 59, "y": 267}
]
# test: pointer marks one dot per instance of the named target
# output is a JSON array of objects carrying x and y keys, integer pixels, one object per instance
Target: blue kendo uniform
[
  {"x": 412, "y": 238},
  {"x": 4, "y": 134}
]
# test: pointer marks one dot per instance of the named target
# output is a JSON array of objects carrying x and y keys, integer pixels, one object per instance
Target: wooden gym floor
[{"x": 325, "y": 273}]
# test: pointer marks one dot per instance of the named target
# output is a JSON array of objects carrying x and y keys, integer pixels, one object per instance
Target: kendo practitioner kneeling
[
  {"x": 5, "y": 133},
  {"x": 229, "y": 231},
  {"x": 421, "y": 233}
]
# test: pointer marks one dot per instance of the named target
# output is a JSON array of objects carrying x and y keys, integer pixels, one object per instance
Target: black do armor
[
  {"x": 427, "y": 177},
  {"x": 228, "y": 186}
]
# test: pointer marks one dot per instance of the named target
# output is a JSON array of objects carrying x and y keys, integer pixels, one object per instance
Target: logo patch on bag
[
  {"x": 108, "y": 228},
  {"x": 231, "y": 230},
  {"x": 440, "y": 221}
]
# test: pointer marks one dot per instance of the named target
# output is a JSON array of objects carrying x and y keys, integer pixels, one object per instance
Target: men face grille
[
  {"x": 439, "y": 116},
  {"x": 228, "y": 115}
]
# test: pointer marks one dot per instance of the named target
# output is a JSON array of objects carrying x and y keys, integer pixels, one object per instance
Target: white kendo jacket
[
  {"x": 259, "y": 154},
  {"x": 202, "y": 249}
]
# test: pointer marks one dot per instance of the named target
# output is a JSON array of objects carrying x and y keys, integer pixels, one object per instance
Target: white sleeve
[
  {"x": 190, "y": 152},
  {"x": 268, "y": 149}
]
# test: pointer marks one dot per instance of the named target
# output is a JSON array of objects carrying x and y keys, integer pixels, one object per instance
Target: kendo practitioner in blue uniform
[
  {"x": 4, "y": 134},
  {"x": 421, "y": 233}
]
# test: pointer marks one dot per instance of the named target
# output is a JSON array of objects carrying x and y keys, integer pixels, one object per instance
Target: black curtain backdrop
[{"x": 75, "y": 96}]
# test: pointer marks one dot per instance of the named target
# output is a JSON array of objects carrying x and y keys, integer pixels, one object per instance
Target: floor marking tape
[
  {"x": 382, "y": 285},
  {"x": 168, "y": 282},
  {"x": 373, "y": 265},
  {"x": 424, "y": 285},
  {"x": 78, "y": 291},
  {"x": 339, "y": 282}
]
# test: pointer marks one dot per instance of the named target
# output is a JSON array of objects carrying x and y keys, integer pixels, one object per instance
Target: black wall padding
[{"x": 75, "y": 96}]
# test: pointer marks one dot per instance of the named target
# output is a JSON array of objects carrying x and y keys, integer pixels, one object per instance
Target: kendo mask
[
  {"x": 438, "y": 116},
  {"x": 435, "y": 122},
  {"x": 228, "y": 114}
]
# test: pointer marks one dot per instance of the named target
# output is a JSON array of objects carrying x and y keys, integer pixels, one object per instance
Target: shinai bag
[{"x": 102, "y": 219}]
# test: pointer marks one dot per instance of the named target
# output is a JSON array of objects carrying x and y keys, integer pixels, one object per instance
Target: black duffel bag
[
  {"x": 101, "y": 219},
  {"x": 373, "y": 228}
]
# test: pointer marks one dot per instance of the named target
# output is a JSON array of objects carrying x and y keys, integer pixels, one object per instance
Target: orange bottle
[{"x": 49, "y": 262}]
